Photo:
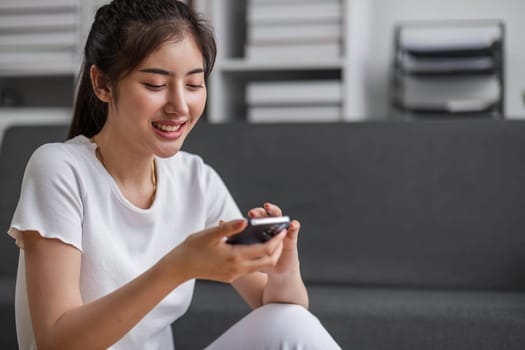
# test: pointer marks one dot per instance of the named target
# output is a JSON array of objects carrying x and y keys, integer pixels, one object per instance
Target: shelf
[
  {"x": 452, "y": 51},
  {"x": 437, "y": 67},
  {"x": 50, "y": 114},
  {"x": 490, "y": 112},
  {"x": 36, "y": 116},
  {"x": 242, "y": 65},
  {"x": 42, "y": 69},
  {"x": 454, "y": 107},
  {"x": 464, "y": 72}
]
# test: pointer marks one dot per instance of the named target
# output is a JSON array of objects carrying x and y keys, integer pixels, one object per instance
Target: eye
[
  {"x": 154, "y": 87},
  {"x": 195, "y": 86}
]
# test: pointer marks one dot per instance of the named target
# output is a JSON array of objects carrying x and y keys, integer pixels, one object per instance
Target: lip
[{"x": 166, "y": 134}]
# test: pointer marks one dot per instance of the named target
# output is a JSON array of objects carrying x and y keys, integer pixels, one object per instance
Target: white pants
[{"x": 276, "y": 326}]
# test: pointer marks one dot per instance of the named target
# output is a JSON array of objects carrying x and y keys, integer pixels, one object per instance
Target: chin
[
  {"x": 168, "y": 148},
  {"x": 167, "y": 153}
]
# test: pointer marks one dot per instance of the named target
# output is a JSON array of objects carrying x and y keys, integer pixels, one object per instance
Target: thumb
[{"x": 229, "y": 228}]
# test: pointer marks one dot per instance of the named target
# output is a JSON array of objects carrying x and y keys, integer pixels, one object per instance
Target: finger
[
  {"x": 257, "y": 213},
  {"x": 271, "y": 246},
  {"x": 293, "y": 230},
  {"x": 272, "y": 209},
  {"x": 264, "y": 263},
  {"x": 259, "y": 250}
]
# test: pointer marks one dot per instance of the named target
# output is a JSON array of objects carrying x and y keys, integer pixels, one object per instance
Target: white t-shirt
[{"x": 68, "y": 194}]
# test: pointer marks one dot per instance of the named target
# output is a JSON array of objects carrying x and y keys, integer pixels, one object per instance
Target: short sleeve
[
  {"x": 220, "y": 203},
  {"x": 50, "y": 199}
]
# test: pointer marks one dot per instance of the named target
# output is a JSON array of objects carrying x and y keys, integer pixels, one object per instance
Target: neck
[{"x": 135, "y": 176}]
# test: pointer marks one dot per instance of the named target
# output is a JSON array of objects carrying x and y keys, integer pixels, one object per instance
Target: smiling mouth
[{"x": 167, "y": 128}]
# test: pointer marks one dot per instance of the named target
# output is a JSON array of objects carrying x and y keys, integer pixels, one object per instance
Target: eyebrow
[{"x": 170, "y": 73}]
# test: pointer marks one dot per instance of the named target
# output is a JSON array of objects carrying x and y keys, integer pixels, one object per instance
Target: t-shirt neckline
[{"x": 113, "y": 184}]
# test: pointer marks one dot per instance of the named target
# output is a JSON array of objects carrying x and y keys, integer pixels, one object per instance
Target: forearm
[{"x": 101, "y": 323}]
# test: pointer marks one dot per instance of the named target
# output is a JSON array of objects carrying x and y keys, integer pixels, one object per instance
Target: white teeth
[{"x": 167, "y": 128}]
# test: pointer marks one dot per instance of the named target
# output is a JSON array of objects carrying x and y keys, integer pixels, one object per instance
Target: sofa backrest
[
  {"x": 425, "y": 203},
  {"x": 18, "y": 144},
  {"x": 422, "y": 204}
]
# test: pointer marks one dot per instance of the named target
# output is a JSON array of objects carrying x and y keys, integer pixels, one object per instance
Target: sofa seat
[
  {"x": 377, "y": 318},
  {"x": 7, "y": 314}
]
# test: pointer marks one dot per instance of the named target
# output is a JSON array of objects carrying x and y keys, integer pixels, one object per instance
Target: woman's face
[{"x": 161, "y": 100}]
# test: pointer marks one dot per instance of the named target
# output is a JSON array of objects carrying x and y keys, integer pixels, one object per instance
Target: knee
[
  {"x": 277, "y": 326},
  {"x": 284, "y": 313},
  {"x": 295, "y": 326}
]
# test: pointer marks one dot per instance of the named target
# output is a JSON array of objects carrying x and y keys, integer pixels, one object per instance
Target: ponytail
[{"x": 90, "y": 113}]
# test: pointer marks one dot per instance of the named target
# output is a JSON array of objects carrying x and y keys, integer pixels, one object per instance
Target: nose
[{"x": 176, "y": 101}]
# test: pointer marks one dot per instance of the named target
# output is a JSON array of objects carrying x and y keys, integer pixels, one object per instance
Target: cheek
[
  {"x": 197, "y": 102},
  {"x": 140, "y": 103}
]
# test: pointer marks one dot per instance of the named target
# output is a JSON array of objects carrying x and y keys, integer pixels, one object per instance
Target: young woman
[{"x": 116, "y": 223}]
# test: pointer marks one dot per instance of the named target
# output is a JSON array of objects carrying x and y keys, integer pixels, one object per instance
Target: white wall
[{"x": 375, "y": 36}]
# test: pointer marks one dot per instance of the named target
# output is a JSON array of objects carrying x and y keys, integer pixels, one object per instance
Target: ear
[{"x": 100, "y": 84}]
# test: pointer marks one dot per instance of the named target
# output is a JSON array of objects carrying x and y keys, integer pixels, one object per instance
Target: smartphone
[{"x": 260, "y": 230}]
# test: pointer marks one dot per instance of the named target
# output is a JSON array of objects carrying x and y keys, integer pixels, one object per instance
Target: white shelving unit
[
  {"x": 41, "y": 43},
  {"x": 43, "y": 37},
  {"x": 39, "y": 38},
  {"x": 234, "y": 70}
]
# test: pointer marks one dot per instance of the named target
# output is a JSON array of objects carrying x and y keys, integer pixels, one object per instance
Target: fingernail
[{"x": 238, "y": 223}]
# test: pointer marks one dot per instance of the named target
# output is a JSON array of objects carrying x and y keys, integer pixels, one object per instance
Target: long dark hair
[{"x": 123, "y": 33}]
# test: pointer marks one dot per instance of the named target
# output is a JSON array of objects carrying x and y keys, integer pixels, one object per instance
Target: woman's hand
[
  {"x": 288, "y": 263},
  {"x": 207, "y": 255},
  {"x": 284, "y": 283}
]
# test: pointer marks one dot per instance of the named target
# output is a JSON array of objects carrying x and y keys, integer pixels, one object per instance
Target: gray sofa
[{"x": 413, "y": 232}]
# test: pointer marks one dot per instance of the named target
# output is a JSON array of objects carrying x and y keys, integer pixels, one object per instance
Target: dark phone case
[{"x": 254, "y": 234}]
